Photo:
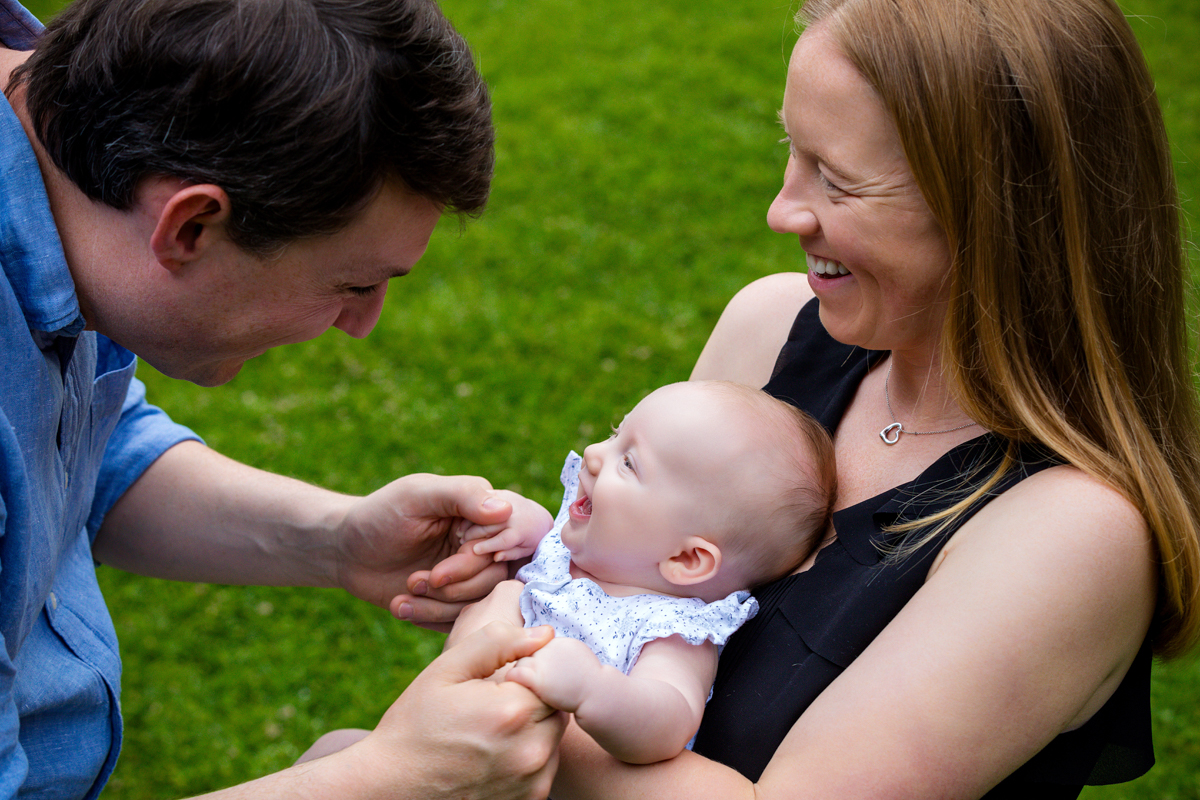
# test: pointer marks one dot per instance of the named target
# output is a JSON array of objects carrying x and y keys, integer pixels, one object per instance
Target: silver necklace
[{"x": 891, "y": 434}]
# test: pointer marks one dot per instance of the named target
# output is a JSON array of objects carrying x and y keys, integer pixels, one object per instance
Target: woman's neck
[
  {"x": 918, "y": 395},
  {"x": 907, "y": 389}
]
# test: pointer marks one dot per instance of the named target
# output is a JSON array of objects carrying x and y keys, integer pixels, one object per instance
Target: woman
[{"x": 992, "y": 327}]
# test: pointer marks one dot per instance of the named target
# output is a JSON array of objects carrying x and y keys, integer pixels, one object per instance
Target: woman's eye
[
  {"x": 828, "y": 184},
  {"x": 365, "y": 291}
]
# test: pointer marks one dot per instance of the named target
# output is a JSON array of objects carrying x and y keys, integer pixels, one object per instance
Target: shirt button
[{"x": 53, "y": 602}]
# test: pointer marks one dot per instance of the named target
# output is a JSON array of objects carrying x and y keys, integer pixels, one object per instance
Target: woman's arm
[
  {"x": 1024, "y": 628},
  {"x": 753, "y": 327}
]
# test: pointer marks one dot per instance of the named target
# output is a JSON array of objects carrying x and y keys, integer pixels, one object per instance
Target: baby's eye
[{"x": 628, "y": 462}]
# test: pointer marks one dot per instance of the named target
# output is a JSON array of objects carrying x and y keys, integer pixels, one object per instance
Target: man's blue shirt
[{"x": 75, "y": 433}]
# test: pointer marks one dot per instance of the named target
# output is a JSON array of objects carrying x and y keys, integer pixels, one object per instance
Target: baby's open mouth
[{"x": 582, "y": 507}]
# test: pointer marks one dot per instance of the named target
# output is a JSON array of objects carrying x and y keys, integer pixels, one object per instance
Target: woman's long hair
[{"x": 1035, "y": 135}]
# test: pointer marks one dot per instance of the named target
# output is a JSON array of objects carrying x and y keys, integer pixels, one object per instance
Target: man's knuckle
[
  {"x": 530, "y": 757},
  {"x": 497, "y": 632}
]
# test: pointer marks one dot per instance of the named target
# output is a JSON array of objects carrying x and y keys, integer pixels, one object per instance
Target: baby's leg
[{"x": 332, "y": 742}]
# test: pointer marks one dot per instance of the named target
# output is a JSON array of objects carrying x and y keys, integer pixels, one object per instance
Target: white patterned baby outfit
[{"x": 615, "y": 628}]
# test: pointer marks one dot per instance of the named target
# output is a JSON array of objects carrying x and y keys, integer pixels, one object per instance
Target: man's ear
[
  {"x": 185, "y": 223},
  {"x": 697, "y": 561}
]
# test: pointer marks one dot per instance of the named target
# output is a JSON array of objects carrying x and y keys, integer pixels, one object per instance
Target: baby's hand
[
  {"x": 560, "y": 673},
  {"x": 517, "y": 537}
]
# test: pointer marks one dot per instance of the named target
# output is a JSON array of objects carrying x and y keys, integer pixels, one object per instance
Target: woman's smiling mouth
[{"x": 824, "y": 266}]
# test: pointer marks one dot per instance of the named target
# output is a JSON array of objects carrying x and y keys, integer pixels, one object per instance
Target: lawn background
[{"x": 636, "y": 155}]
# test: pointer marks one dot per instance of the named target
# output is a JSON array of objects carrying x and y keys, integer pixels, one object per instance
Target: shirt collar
[
  {"x": 31, "y": 253},
  {"x": 19, "y": 30}
]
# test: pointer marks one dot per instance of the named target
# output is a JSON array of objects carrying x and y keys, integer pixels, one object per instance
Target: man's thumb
[{"x": 490, "y": 648}]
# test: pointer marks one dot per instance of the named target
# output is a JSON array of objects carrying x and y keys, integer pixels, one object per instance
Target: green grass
[{"x": 637, "y": 155}]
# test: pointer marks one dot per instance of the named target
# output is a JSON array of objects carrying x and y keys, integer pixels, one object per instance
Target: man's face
[{"x": 240, "y": 305}]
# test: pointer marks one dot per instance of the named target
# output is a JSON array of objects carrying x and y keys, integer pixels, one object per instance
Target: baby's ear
[{"x": 697, "y": 561}]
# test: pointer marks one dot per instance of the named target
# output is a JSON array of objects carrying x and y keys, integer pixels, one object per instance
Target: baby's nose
[{"x": 591, "y": 458}]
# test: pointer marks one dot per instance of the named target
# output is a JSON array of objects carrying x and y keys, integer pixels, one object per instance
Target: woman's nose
[{"x": 791, "y": 212}]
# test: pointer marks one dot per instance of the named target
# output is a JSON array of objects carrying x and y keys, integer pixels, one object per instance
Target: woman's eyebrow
[
  {"x": 843, "y": 176},
  {"x": 839, "y": 172}
]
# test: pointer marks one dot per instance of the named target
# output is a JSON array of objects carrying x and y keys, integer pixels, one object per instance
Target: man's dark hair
[{"x": 298, "y": 109}]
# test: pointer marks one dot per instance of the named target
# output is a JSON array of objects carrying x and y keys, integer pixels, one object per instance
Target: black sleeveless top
[{"x": 811, "y": 625}]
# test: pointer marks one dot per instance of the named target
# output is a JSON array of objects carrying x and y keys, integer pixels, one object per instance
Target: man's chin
[
  {"x": 221, "y": 374},
  {"x": 207, "y": 375}
]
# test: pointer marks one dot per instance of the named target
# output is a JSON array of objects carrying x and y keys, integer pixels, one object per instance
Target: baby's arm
[
  {"x": 517, "y": 537},
  {"x": 646, "y": 716}
]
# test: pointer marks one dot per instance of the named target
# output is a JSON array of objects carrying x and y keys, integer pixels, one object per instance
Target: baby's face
[{"x": 672, "y": 470}]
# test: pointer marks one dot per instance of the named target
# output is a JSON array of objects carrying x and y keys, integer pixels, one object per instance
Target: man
[{"x": 194, "y": 182}]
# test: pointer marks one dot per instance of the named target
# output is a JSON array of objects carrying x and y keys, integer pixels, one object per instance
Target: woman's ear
[
  {"x": 186, "y": 221},
  {"x": 697, "y": 561}
]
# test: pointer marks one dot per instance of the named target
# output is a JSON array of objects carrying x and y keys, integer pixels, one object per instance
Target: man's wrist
[
  {"x": 350, "y": 774},
  {"x": 305, "y": 538},
  {"x": 354, "y": 773},
  {"x": 320, "y": 547}
]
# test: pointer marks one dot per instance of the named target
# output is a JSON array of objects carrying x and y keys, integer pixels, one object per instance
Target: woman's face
[{"x": 877, "y": 260}]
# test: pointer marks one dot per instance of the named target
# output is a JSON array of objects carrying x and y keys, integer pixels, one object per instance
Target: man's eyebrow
[{"x": 385, "y": 272}]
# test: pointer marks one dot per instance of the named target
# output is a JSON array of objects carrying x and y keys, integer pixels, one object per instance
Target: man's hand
[
  {"x": 453, "y": 733},
  {"x": 409, "y": 526},
  {"x": 436, "y": 596},
  {"x": 503, "y": 604}
]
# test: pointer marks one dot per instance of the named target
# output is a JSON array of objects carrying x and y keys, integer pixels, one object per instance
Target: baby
[{"x": 705, "y": 489}]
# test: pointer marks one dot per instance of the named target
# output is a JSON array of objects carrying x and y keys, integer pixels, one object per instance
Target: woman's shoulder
[
  {"x": 788, "y": 287},
  {"x": 769, "y": 303},
  {"x": 1064, "y": 514},
  {"x": 1075, "y": 503},
  {"x": 1079, "y": 533},
  {"x": 752, "y": 329}
]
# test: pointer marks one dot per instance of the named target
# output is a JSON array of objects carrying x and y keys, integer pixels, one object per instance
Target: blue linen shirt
[{"x": 75, "y": 433}]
